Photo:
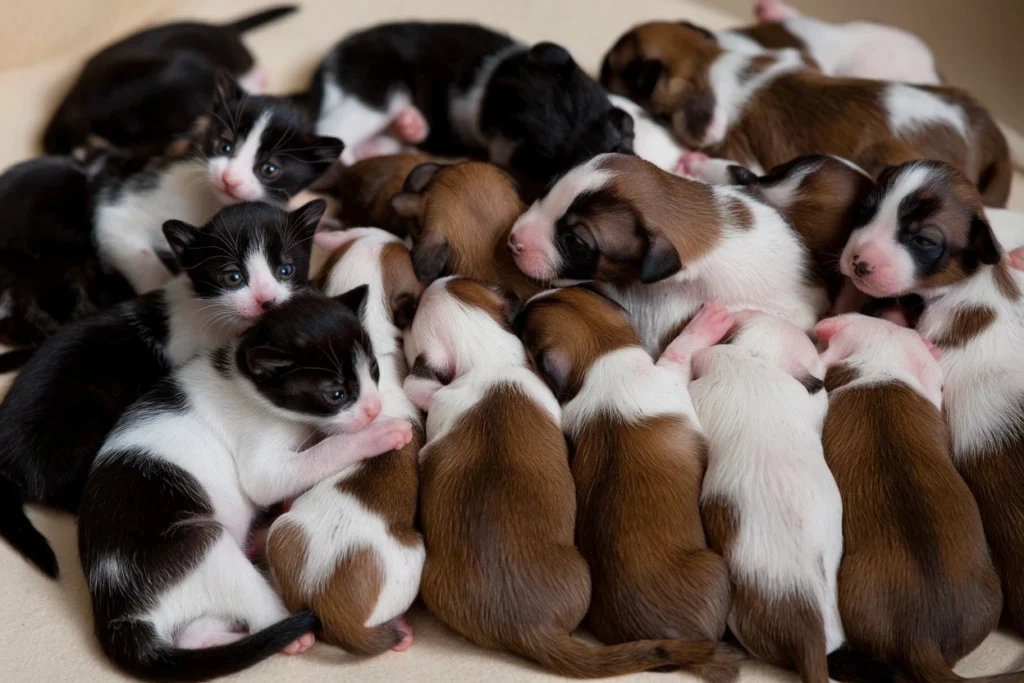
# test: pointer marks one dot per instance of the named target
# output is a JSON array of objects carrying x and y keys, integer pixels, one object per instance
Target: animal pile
[{"x": 728, "y": 340}]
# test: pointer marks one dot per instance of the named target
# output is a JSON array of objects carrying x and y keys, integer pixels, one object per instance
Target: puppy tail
[
  {"x": 566, "y": 656},
  {"x": 263, "y": 17},
  {"x": 134, "y": 646},
  {"x": 855, "y": 666},
  {"x": 358, "y": 639},
  {"x": 19, "y": 532}
]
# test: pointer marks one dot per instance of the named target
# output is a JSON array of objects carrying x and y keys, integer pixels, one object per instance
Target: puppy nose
[
  {"x": 514, "y": 246},
  {"x": 860, "y": 268}
]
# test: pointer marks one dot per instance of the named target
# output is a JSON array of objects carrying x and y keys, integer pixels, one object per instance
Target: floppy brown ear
[
  {"x": 982, "y": 242},
  {"x": 408, "y": 204},
  {"x": 660, "y": 261},
  {"x": 430, "y": 260},
  {"x": 420, "y": 177}
]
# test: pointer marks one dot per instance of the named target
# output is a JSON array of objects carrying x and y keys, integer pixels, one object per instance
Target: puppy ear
[
  {"x": 226, "y": 90},
  {"x": 555, "y": 367},
  {"x": 550, "y": 54},
  {"x": 829, "y": 327},
  {"x": 701, "y": 30},
  {"x": 180, "y": 236},
  {"x": 403, "y": 310},
  {"x": 408, "y": 204},
  {"x": 420, "y": 177},
  {"x": 660, "y": 261},
  {"x": 430, "y": 260},
  {"x": 641, "y": 77},
  {"x": 354, "y": 298},
  {"x": 982, "y": 242},
  {"x": 740, "y": 175},
  {"x": 331, "y": 240},
  {"x": 264, "y": 361}
]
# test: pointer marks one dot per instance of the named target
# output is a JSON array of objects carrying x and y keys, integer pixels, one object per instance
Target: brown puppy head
[
  {"x": 458, "y": 215},
  {"x": 665, "y": 67},
  {"x": 367, "y": 186},
  {"x": 618, "y": 219},
  {"x": 923, "y": 228},
  {"x": 378, "y": 259},
  {"x": 566, "y": 330}
]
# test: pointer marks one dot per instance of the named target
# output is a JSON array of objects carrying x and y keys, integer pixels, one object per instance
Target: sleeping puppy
[
  {"x": 497, "y": 502},
  {"x": 769, "y": 109},
  {"x": 855, "y": 49},
  {"x": 638, "y": 457},
  {"x": 924, "y": 232},
  {"x": 459, "y": 89},
  {"x": 664, "y": 244},
  {"x": 147, "y": 90},
  {"x": 769, "y": 504},
  {"x": 911, "y": 529},
  {"x": 459, "y": 217}
]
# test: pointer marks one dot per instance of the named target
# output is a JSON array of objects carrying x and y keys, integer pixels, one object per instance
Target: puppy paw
[
  {"x": 402, "y": 625},
  {"x": 691, "y": 164},
  {"x": 1016, "y": 258},
  {"x": 773, "y": 10},
  {"x": 299, "y": 645}
]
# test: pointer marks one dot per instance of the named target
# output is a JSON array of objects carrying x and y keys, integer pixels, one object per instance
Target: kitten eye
[
  {"x": 270, "y": 170},
  {"x": 232, "y": 279},
  {"x": 286, "y": 271},
  {"x": 335, "y": 395},
  {"x": 224, "y": 147}
]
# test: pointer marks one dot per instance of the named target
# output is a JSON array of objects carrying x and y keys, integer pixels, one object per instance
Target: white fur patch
[
  {"x": 347, "y": 117},
  {"x": 652, "y": 141},
  {"x": 909, "y": 108}
]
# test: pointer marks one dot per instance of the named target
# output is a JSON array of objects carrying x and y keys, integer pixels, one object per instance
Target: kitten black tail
[
  {"x": 14, "y": 360},
  {"x": 134, "y": 647},
  {"x": 19, "y": 532},
  {"x": 263, "y": 17}
]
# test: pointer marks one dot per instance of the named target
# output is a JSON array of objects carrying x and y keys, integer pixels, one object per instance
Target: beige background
[{"x": 45, "y": 628}]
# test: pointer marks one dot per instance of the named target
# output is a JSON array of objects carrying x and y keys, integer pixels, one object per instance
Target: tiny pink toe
[
  {"x": 1017, "y": 258},
  {"x": 406, "y": 641}
]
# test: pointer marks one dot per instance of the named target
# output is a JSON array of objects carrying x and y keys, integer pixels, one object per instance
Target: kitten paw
[
  {"x": 387, "y": 434},
  {"x": 410, "y": 126},
  {"x": 299, "y": 645},
  {"x": 773, "y": 10}
]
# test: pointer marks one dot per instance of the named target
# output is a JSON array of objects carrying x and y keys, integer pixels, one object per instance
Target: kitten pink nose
[
  {"x": 266, "y": 304},
  {"x": 371, "y": 408},
  {"x": 230, "y": 180}
]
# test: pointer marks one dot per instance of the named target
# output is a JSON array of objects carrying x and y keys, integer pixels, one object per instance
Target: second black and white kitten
[
  {"x": 165, "y": 517},
  {"x": 254, "y": 149},
  {"x": 72, "y": 391}
]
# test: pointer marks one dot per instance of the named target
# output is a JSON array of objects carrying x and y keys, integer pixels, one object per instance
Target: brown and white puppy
[
  {"x": 497, "y": 503},
  {"x": 638, "y": 458},
  {"x": 459, "y": 217},
  {"x": 366, "y": 187},
  {"x": 916, "y": 585},
  {"x": 769, "y": 109},
  {"x": 926, "y": 233},
  {"x": 769, "y": 503},
  {"x": 668, "y": 245},
  {"x": 348, "y": 549}
]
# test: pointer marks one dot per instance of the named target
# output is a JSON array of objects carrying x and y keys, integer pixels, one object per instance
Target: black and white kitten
[
  {"x": 146, "y": 90},
  {"x": 254, "y": 149},
  {"x": 165, "y": 516},
  {"x": 72, "y": 391},
  {"x": 462, "y": 88},
  {"x": 49, "y": 271}
]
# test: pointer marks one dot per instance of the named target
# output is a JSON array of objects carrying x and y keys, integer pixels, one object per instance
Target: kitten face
[
  {"x": 262, "y": 148},
  {"x": 311, "y": 360},
  {"x": 249, "y": 258}
]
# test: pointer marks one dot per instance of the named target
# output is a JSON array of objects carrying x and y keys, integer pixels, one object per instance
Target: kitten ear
[
  {"x": 550, "y": 54},
  {"x": 226, "y": 90},
  {"x": 420, "y": 177},
  {"x": 318, "y": 152},
  {"x": 660, "y": 261},
  {"x": 264, "y": 361},
  {"x": 354, "y": 298},
  {"x": 307, "y": 217},
  {"x": 327, "y": 149},
  {"x": 408, "y": 204},
  {"x": 430, "y": 260},
  {"x": 180, "y": 236}
]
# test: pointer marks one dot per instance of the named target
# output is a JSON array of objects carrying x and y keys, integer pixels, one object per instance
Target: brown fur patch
[
  {"x": 287, "y": 550},
  {"x": 966, "y": 324},
  {"x": 479, "y": 295},
  {"x": 916, "y": 584},
  {"x": 638, "y": 489},
  {"x": 401, "y": 288},
  {"x": 578, "y": 326},
  {"x": 1005, "y": 283},
  {"x": 775, "y": 36},
  {"x": 838, "y": 376},
  {"x": 366, "y": 188}
]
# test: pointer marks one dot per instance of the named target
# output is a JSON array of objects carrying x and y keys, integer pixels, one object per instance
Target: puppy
[
  {"x": 459, "y": 219},
  {"x": 638, "y": 457},
  {"x": 856, "y": 49},
  {"x": 769, "y": 109},
  {"x": 667, "y": 245},
  {"x": 365, "y": 190},
  {"x": 460, "y": 89},
  {"x": 497, "y": 506},
  {"x": 925, "y": 233},
  {"x": 769, "y": 504},
  {"x": 652, "y": 140},
  {"x": 911, "y": 529},
  {"x": 348, "y": 549},
  {"x": 147, "y": 90},
  {"x": 174, "y": 490}
]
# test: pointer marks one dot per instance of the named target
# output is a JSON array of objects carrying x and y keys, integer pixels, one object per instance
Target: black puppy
[
  {"x": 460, "y": 89},
  {"x": 49, "y": 271},
  {"x": 147, "y": 89}
]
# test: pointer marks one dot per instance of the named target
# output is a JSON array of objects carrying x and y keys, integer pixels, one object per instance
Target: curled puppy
[
  {"x": 497, "y": 503},
  {"x": 665, "y": 243},
  {"x": 769, "y": 109},
  {"x": 769, "y": 504},
  {"x": 925, "y": 232},
  {"x": 348, "y": 549},
  {"x": 638, "y": 457},
  {"x": 911, "y": 529},
  {"x": 462, "y": 89},
  {"x": 365, "y": 190},
  {"x": 459, "y": 219}
]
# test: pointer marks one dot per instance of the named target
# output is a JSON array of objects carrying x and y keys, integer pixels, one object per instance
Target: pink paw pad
[
  {"x": 402, "y": 625},
  {"x": 690, "y": 164},
  {"x": 409, "y": 126},
  {"x": 710, "y": 324},
  {"x": 299, "y": 645},
  {"x": 772, "y": 10},
  {"x": 1017, "y": 258}
]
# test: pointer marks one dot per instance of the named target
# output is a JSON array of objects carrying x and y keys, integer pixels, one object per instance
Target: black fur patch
[{"x": 811, "y": 383}]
